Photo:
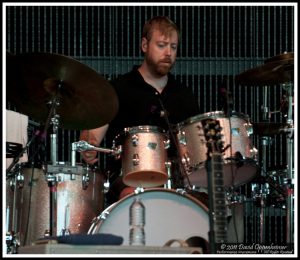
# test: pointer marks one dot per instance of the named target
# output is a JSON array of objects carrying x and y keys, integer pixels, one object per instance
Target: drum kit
[{"x": 64, "y": 93}]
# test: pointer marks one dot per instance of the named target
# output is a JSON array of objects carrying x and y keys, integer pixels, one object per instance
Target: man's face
[{"x": 161, "y": 51}]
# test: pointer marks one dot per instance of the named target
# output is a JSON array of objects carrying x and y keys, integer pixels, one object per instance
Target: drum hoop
[
  {"x": 215, "y": 114},
  {"x": 186, "y": 195},
  {"x": 141, "y": 129}
]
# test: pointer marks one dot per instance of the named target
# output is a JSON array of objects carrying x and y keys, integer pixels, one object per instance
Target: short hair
[{"x": 163, "y": 23}]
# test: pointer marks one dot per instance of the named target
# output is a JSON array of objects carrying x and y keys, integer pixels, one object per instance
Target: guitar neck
[{"x": 218, "y": 198}]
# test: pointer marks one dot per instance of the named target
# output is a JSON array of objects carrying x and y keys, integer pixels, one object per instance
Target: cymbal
[
  {"x": 276, "y": 70},
  {"x": 281, "y": 57},
  {"x": 268, "y": 129},
  {"x": 86, "y": 100}
]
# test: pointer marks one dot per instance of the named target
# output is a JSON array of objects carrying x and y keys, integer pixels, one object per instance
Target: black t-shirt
[{"x": 140, "y": 104}]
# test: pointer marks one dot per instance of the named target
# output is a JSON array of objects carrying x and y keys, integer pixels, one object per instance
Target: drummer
[{"x": 148, "y": 95}]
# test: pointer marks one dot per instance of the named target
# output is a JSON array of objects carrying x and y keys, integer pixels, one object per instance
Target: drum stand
[
  {"x": 263, "y": 191},
  {"x": 290, "y": 166}
]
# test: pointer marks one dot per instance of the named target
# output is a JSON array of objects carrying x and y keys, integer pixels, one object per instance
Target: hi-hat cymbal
[
  {"x": 268, "y": 129},
  {"x": 86, "y": 99},
  {"x": 276, "y": 70}
]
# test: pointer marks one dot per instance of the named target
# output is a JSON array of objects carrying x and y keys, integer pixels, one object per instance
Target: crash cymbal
[
  {"x": 86, "y": 99},
  {"x": 268, "y": 129},
  {"x": 281, "y": 57},
  {"x": 277, "y": 70}
]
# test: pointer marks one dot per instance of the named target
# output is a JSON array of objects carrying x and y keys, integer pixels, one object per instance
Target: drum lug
[
  {"x": 136, "y": 159},
  {"x": 12, "y": 184},
  {"x": 135, "y": 140},
  {"x": 20, "y": 178},
  {"x": 186, "y": 161},
  {"x": 167, "y": 144},
  {"x": 182, "y": 138},
  {"x": 253, "y": 152},
  {"x": 249, "y": 128},
  {"x": 138, "y": 190},
  {"x": 85, "y": 181},
  {"x": 181, "y": 191},
  {"x": 168, "y": 165},
  {"x": 104, "y": 215}
]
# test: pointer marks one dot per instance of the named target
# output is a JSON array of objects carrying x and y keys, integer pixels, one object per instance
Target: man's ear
[{"x": 144, "y": 44}]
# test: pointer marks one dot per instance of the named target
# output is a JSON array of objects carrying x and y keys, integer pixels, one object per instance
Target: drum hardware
[
  {"x": 181, "y": 162},
  {"x": 279, "y": 70},
  {"x": 290, "y": 164},
  {"x": 260, "y": 198},
  {"x": 12, "y": 242},
  {"x": 13, "y": 149},
  {"x": 82, "y": 146},
  {"x": 169, "y": 183}
]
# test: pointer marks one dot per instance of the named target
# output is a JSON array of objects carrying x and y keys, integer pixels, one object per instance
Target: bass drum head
[{"x": 168, "y": 215}]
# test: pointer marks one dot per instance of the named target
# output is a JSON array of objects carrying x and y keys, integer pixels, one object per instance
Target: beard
[{"x": 161, "y": 67}]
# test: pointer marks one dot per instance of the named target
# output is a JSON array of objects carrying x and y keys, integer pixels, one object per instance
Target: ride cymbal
[
  {"x": 86, "y": 100},
  {"x": 276, "y": 70}
]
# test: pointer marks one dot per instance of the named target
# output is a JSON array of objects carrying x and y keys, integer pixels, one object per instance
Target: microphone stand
[{"x": 181, "y": 166}]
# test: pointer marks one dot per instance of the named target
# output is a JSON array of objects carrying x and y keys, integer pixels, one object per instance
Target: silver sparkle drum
[
  {"x": 168, "y": 215},
  {"x": 144, "y": 156},
  {"x": 79, "y": 200},
  {"x": 239, "y": 157}
]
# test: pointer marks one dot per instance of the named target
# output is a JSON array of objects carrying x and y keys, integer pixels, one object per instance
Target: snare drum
[
  {"x": 79, "y": 200},
  {"x": 144, "y": 156},
  {"x": 235, "y": 132},
  {"x": 168, "y": 215}
]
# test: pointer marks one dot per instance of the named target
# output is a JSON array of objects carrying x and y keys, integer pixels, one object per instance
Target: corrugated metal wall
[{"x": 216, "y": 42}]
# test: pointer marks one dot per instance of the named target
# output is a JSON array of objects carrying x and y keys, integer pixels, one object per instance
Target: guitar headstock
[{"x": 213, "y": 135}]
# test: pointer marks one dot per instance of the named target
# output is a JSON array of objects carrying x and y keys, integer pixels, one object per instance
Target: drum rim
[
  {"x": 213, "y": 114},
  {"x": 149, "y": 190},
  {"x": 141, "y": 129}
]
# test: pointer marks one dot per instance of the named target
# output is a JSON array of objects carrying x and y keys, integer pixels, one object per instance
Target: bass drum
[{"x": 168, "y": 215}]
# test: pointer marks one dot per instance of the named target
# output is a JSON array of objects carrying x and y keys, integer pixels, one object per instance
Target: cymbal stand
[
  {"x": 263, "y": 190},
  {"x": 55, "y": 168},
  {"x": 290, "y": 165},
  {"x": 53, "y": 119},
  {"x": 264, "y": 107}
]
